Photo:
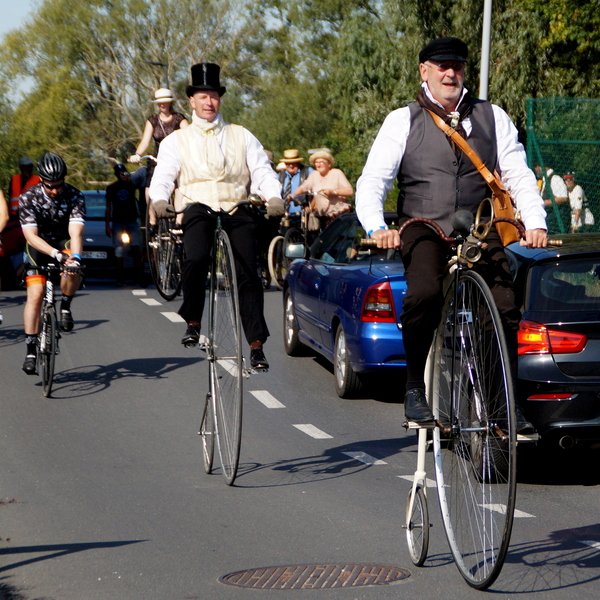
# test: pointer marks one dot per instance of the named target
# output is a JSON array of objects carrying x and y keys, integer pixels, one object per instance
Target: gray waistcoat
[{"x": 435, "y": 184}]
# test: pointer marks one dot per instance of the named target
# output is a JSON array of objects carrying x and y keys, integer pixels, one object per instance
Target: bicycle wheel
[
  {"x": 292, "y": 236},
  {"x": 207, "y": 432},
  {"x": 475, "y": 455},
  {"x": 167, "y": 260},
  {"x": 47, "y": 348},
  {"x": 226, "y": 356},
  {"x": 275, "y": 261},
  {"x": 417, "y": 526}
]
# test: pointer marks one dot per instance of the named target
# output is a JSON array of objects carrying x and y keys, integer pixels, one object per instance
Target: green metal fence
[{"x": 563, "y": 146}]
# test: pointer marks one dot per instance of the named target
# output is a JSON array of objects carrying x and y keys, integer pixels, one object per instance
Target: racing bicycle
[{"x": 49, "y": 334}]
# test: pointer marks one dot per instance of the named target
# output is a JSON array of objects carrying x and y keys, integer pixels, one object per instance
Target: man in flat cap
[
  {"x": 435, "y": 180},
  {"x": 216, "y": 163}
]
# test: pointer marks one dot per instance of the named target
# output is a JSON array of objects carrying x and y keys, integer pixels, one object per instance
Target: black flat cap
[{"x": 445, "y": 48}]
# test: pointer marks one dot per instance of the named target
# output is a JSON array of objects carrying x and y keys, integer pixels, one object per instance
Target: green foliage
[{"x": 300, "y": 73}]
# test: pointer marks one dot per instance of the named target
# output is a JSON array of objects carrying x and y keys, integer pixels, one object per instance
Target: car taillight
[
  {"x": 378, "y": 306},
  {"x": 535, "y": 338}
]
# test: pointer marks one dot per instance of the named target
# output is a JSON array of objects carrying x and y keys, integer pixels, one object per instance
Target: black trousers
[
  {"x": 425, "y": 257},
  {"x": 198, "y": 235}
]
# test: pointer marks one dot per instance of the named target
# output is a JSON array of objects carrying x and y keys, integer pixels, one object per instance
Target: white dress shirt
[
  {"x": 387, "y": 151},
  {"x": 263, "y": 179}
]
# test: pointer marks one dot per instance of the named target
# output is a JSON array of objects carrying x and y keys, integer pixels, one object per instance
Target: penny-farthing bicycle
[
  {"x": 470, "y": 390},
  {"x": 222, "y": 407}
]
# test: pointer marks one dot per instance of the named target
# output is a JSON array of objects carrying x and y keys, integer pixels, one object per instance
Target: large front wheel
[
  {"x": 47, "y": 347},
  {"x": 225, "y": 356},
  {"x": 471, "y": 394}
]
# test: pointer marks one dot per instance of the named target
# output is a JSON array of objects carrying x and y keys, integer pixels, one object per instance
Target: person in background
[
  {"x": 122, "y": 219},
  {"x": 579, "y": 206},
  {"x": 294, "y": 174},
  {"x": 158, "y": 126},
  {"x": 558, "y": 190},
  {"x": 331, "y": 188},
  {"x": 3, "y": 222}
]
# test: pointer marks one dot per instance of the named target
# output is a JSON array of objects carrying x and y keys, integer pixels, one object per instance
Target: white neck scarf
[{"x": 210, "y": 150}]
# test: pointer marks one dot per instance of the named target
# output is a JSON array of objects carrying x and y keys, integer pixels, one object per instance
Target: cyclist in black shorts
[{"x": 52, "y": 215}]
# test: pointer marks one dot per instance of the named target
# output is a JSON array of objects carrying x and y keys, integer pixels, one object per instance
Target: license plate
[{"x": 94, "y": 254}]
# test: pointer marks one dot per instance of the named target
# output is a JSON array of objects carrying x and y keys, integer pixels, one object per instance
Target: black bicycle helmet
[{"x": 52, "y": 167}]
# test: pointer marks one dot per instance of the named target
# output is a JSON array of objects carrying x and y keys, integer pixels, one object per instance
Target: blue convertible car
[{"x": 343, "y": 301}]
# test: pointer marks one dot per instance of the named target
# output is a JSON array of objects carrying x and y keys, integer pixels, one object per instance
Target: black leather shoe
[
  {"x": 66, "y": 320},
  {"x": 258, "y": 360},
  {"x": 416, "y": 408},
  {"x": 192, "y": 336},
  {"x": 523, "y": 426},
  {"x": 29, "y": 365}
]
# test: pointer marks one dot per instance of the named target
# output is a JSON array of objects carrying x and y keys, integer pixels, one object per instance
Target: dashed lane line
[
  {"x": 173, "y": 317},
  {"x": 313, "y": 431},
  {"x": 151, "y": 302},
  {"x": 365, "y": 458},
  {"x": 501, "y": 508},
  {"x": 139, "y": 292},
  {"x": 267, "y": 399},
  {"x": 591, "y": 543}
]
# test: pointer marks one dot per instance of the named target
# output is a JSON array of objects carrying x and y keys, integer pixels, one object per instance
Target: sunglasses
[{"x": 56, "y": 186}]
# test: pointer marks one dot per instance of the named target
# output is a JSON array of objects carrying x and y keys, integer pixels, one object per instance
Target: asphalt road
[{"x": 103, "y": 493}]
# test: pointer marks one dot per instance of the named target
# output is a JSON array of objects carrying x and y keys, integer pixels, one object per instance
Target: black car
[
  {"x": 559, "y": 338},
  {"x": 98, "y": 248}
]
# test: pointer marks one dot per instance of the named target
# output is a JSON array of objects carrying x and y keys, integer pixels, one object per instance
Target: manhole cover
[{"x": 315, "y": 577}]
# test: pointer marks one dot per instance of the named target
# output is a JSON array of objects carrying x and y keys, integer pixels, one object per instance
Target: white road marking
[
  {"x": 173, "y": 317},
  {"x": 267, "y": 399},
  {"x": 229, "y": 365},
  {"x": 151, "y": 301},
  {"x": 501, "y": 508},
  {"x": 365, "y": 458},
  {"x": 138, "y": 292},
  {"x": 313, "y": 431},
  {"x": 430, "y": 483},
  {"x": 591, "y": 543}
]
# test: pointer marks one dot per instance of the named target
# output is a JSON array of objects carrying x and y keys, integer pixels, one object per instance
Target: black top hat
[
  {"x": 445, "y": 48},
  {"x": 205, "y": 76}
]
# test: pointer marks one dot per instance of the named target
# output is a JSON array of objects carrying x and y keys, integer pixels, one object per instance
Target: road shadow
[
  {"x": 56, "y": 550},
  {"x": 10, "y": 336},
  {"x": 92, "y": 379},
  {"x": 567, "y": 558},
  {"x": 331, "y": 464}
]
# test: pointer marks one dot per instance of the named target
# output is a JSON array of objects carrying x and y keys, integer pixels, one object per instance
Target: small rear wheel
[
  {"x": 207, "y": 432},
  {"x": 417, "y": 526}
]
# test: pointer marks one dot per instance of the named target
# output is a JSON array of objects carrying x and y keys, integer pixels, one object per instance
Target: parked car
[
  {"x": 343, "y": 302},
  {"x": 559, "y": 338},
  {"x": 98, "y": 249}
]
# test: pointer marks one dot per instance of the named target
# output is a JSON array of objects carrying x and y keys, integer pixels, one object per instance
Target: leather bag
[{"x": 503, "y": 204}]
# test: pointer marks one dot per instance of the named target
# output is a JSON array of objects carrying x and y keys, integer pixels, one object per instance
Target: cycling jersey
[{"x": 51, "y": 215}]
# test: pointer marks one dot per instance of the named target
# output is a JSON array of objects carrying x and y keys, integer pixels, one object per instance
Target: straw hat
[
  {"x": 163, "y": 95},
  {"x": 321, "y": 154},
  {"x": 291, "y": 156}
]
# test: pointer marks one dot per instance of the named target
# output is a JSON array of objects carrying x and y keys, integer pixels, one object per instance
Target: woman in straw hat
[
  {"x": 158, "y": 126},
  {"x": 330, "y": 186}
]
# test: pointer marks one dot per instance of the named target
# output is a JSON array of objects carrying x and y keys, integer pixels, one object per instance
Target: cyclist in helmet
[{"x": 52, "y": 217}]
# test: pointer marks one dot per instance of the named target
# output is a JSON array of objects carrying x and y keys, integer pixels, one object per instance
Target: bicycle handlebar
[{"x": 252, "y": 200}]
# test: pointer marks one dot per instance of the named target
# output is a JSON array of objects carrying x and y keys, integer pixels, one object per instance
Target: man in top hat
[
  {"x": 216, "y": 163},
  {"x": 294, "y": 174},
  {"x": 435, "y": 179}
]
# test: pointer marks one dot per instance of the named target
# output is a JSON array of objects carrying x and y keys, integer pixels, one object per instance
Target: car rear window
[
  {"x": 95, "y": 205},
  {"x": 567, "y": 285}
]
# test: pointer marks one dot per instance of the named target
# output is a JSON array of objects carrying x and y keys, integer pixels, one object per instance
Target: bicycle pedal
[
  {"x": 256, "y": 371},
  {"x": 413, "y": 425}
]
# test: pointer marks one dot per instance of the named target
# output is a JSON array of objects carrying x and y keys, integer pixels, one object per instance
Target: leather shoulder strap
[{"x": 492, "y": 179}]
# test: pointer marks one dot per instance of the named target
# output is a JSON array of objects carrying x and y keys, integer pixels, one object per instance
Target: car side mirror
[{"x": 295, "y": 251}]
